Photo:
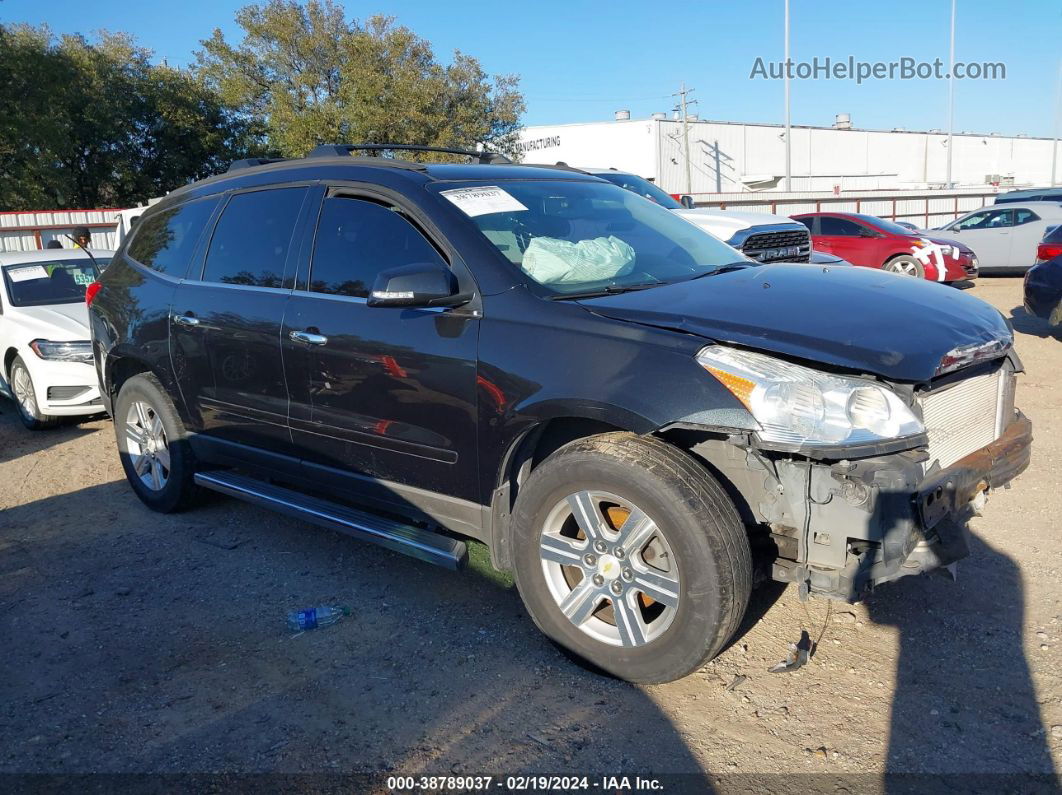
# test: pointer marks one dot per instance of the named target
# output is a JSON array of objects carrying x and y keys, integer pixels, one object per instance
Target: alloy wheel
[
  {"x": 22, "y": 386},
  {"x": 902, "y": 267},
  {"x": 609, "y": 568},
  {"x": 147, "y": 445}
]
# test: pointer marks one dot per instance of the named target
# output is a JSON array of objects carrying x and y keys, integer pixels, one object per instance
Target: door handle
[
  {"x": 308, "y": 337},
  {"x": 186, "y": 320}
]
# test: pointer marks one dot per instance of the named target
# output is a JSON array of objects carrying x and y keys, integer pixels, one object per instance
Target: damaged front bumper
[{"x": 840, "y": 529}]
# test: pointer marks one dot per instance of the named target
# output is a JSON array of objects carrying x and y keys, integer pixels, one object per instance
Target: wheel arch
[
  {"x": 9, "y": 358},
  {"x": 121, "y": 365},
  {"x": 532, "y": 446},
  {"x": 895, "y": 255}
]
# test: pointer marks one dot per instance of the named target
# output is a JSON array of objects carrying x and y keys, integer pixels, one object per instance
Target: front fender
[{"x": 538, "y": 364}]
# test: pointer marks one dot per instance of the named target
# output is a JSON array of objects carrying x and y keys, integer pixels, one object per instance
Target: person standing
[{"x": 82, "y": 236}]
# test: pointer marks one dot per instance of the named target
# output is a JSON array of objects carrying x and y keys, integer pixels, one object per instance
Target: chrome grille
[
  {"x": 968, "y": 415},
  {"x": 762, "y": 245}
]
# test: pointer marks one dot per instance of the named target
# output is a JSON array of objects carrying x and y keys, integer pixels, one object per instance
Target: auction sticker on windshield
[
  {"x": 28, "y": 273},
  {"x": 483, "y": 201}
]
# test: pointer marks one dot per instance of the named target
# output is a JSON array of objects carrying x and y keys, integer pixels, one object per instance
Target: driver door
[{"x": 381, "y": 396}]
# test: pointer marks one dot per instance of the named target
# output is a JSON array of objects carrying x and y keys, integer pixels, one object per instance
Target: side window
[
  {"x": 808, "y": 222},
  {"x": 989, "y": 219},
  {"x": 830, "y": 225},
  {"x": 165, "y": 241},
  {"x": 356, "y": 239},
  {"x": 1025, "y": 217},
  {"x": 251, "y": 240}
]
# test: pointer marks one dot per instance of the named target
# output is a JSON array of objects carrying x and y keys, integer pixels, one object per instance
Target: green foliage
[
  {"x": 315, "y": 77},
  {"x": 97, "y": 125}
]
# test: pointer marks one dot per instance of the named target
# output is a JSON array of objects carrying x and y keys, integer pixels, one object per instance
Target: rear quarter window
[{"x": 165, "y": 241}]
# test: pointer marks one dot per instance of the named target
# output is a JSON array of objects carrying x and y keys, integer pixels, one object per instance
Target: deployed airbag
[{"x": 548, "y": 260}]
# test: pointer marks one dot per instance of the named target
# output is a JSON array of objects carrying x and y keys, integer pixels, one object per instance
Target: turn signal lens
[
  {"x": 740, "y": 387},
  {"x": 90, "y": 292}
]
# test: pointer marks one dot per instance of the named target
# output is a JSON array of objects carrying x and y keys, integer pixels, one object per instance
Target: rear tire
[
  {"x": 153, "y": 445},
  {"x": 668, "y": 543},
  {"x": 905, "y": 266},
  {"x": 25, "y": 395}
]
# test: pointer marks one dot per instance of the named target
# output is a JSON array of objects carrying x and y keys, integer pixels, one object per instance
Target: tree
[
  {"x": 96, "y": 124},
  {"x": 314, "y": 77}
]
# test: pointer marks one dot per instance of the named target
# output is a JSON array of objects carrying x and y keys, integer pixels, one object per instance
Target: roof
[
  {"x": 49, "y": 255},
  {"x": 1033, "y": 192},
  {"x": 347, "y": 167},
  {"x": 463, "y": 171}
]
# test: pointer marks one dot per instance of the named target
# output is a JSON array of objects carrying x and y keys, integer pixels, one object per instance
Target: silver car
[{"x": 1005, "y": 237}]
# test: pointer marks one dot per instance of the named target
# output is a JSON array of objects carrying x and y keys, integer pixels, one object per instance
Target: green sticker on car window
[{"x": 83, "y": 277}]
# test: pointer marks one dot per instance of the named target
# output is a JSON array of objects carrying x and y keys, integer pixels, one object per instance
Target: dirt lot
[{"x": 138, "y": 642}]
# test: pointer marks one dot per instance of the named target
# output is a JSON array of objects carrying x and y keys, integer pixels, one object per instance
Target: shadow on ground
[
  {"x": 24, "y": 442},
  {"x": 140, "y": 642},
  {"x": 1031, "y": 324},
  {"x": 964, "y": 700}
]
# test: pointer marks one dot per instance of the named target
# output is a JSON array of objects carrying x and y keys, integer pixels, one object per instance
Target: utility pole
[
  {"x": 788, "y": 125},
  {"x": 683, "y": 105},
  {"x": 1058, "y": 123},
  {"x": 951, "y": 94}
]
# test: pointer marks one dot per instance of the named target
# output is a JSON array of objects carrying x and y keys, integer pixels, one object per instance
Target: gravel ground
[{"x": 134, "y": 642}]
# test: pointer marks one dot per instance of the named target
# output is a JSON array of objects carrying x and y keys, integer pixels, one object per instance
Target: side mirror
[
  {"x": 864, "y": 232},
  {"x": 419, "y": 284},
  {"x": 687, "y": 202}
]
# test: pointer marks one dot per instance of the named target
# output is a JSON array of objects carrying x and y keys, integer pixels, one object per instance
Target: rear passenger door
[
  {"x": 1029, "y": 230},
  {"x": 226, "y": 318},
  {"x": 381, "y": 397}
]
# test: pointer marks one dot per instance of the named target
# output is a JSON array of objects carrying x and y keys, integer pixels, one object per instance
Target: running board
[{"x": 413, "y": 541}]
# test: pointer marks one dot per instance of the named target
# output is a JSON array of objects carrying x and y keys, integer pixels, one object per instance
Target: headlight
[
  {"x": 796, "y": 405},
  {"x": 77, "y": 351}
]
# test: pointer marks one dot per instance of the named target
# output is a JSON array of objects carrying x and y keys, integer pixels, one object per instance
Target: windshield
[
  {"x": 576, "y": 237},
  {"x": 641, "y": 186},
  {"x": 51, "y": 281}
]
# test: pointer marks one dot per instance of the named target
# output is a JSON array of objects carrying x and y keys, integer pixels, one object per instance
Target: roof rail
[
  {"x": 251, "y": 162},
  {"x": 332, "y": 150}
]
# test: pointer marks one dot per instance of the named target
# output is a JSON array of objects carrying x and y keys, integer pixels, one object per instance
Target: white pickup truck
[{"x": 759, "y": 236}]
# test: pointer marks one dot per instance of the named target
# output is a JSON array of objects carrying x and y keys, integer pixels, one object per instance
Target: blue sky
[{"x": 580, "y": 61}]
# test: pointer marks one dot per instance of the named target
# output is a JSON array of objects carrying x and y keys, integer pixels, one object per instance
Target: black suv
[{"x": 635, "y": 419}]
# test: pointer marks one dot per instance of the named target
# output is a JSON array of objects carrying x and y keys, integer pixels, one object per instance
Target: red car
[{"x": 877, "y": 243}]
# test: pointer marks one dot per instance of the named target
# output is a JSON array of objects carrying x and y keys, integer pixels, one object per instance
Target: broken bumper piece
[{"x": 875, "y": 520}]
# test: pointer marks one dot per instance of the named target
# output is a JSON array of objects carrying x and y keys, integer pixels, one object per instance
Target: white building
[{"x": 730, "y": 157}]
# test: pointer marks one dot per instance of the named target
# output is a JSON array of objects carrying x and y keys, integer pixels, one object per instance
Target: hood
[
  {"x": 724, "y": 224},
  {"x": 943, "y": 241},
  {"x": 857, "y": 319},
  {"x": 60, "y": 322}
]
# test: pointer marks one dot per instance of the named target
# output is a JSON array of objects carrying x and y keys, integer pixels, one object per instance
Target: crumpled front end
[
  {"x": 838, "y": 528},
  {"x": 876, "y": 520}
]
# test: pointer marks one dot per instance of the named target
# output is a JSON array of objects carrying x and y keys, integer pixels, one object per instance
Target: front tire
[
  {"x": 25, "y": 395},
  {"x": 153, "y": 445},
  {"x": 631, "y": 556},
  {"x": 905, "y": 266}
]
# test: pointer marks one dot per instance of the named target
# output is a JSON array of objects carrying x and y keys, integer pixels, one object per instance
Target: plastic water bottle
[{"x": 314, "y": 617}]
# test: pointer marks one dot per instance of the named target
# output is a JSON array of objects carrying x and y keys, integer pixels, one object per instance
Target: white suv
[
  {"x": 759, "y": 236},
  {"x": 44, "y": 335}
]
